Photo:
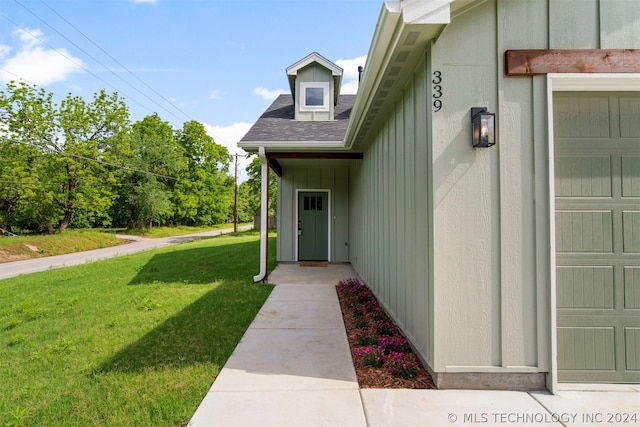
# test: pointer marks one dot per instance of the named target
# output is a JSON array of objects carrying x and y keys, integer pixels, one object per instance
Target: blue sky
[{"x": 218, "y": 62}]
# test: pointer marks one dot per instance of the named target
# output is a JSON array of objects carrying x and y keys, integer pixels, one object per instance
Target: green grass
[
  {"x": 135, "y": 340},
  {"x": 12, "y": 248}
]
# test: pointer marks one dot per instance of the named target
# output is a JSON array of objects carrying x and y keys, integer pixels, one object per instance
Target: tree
[
  {"x": 155, "y": 160},
  {"x": 205, "y": 191},
  {"x": 254, "y": 172},
  {"x": 67, "y": 152}
]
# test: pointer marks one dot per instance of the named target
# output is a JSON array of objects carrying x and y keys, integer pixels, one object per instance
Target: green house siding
[
  {"x": 390, "y": 220},
  {"x": 454, "y": 241}
]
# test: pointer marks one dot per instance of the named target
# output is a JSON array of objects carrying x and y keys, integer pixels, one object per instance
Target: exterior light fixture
[{"x": 483, "y": 128}]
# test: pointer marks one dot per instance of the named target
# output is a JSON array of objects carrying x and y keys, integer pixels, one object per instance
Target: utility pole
[{"x": 235, "y": 198}]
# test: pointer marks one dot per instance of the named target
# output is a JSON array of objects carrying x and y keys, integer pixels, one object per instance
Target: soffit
[{"x": 404, "y": 31}]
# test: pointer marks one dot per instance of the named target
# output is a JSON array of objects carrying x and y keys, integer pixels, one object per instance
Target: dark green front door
[{"x": 313, "y": 228}]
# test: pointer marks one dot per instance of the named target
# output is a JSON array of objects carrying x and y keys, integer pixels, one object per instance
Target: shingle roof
[{"x": 278, "y": 124}]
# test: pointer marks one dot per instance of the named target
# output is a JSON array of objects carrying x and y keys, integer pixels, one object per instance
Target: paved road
[{"x": 12, "y": 269}]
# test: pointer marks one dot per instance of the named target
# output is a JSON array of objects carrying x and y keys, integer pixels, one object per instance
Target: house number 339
[{"x": 437, "y": 90}]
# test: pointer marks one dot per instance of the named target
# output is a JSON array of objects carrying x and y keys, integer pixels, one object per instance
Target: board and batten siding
[
  {"x": 314, "y": 73},
  {"x": 593, "y": 24},
  {"x": 334, "y": 178},
  {"x": 390, "y": 216},
  {"x": 454, "y": 240}
]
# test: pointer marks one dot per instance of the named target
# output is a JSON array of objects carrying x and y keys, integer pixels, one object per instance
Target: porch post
[{"x": 264, "y": 213}]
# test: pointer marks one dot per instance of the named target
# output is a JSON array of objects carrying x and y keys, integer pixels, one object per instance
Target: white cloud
[
  {"x": 4, "y": 51},
  {"x": 30, "y": 37},
  {"x": 36, "y": 63},
  {"x": 349, "y": 88},
  {"x": 215, "y": 95},
  {"x": 229, "y": 137},
  {"x": 267, "y": 94},
  {"x": 350, "y": 74},
  {"x": 350, "y": 67}
]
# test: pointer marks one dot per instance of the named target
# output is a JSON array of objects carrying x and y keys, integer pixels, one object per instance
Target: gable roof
[
  {"x": 277, "y": 128},
  {"x": 336, "y": 72}
]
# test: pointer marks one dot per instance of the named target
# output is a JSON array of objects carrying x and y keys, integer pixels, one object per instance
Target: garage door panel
[
  {"x": 584, "y": 231},
  {"x": 584, "y": 117},
  {"x": 629, "y": 113},
  {"x": 630, "y": 171},
  {"x": 585, "y": 287},
  {"x": 631, "y": 231},
  {"x": 632, "y": 356},
  {"x": 632, "y": 288},
  {"x": 579, "y": 176},
  {"x": 586, "y": 348}
]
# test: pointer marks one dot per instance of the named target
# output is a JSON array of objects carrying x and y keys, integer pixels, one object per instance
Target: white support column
[{"x": 264, "y": 214}]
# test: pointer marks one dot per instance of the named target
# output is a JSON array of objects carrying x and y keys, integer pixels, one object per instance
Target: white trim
[
  {"x": 296, "y": 145},
  {"x": 552, "y": 384},
  {"x": 292, "y": 70},
  {"x": 582, "y": 83},
  {"x": 594, "y": 82},
  {"x": 295, "y": 222},
  {"x": 302, "y": 95}
]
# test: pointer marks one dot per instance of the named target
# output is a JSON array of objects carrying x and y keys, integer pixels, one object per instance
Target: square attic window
[{"x": 315, "y": 96}]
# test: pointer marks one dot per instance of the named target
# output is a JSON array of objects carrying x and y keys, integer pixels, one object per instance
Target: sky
[{"x": 218, "y": 62}]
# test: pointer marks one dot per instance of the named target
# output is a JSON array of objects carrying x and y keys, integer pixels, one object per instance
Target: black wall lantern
[{"x": 483, "y": 128}]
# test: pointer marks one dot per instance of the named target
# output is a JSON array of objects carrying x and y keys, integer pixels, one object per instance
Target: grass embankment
[
  {"x": 21, "y": 247},
  {"x": 135, "y": 340},
  {"x": 178, "y": 230},
  {"x": 34, "y": 246}
]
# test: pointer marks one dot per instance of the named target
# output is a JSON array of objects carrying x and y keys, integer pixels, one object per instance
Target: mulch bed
[{"x": 369, "y": 376}]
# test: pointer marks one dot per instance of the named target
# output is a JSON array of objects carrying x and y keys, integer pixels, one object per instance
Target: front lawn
[{"x": 129, "y": 341}]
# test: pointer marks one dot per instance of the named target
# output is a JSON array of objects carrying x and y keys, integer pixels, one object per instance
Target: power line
[
  {"x": 80, "y": 65},
  {"x": 115, "y": 60},
  {"x": 97, "y": 60},
  {"x": 216, "y": 137},
  {"x": 62, "y": 153},
  {"x": 57, "y": 184}
]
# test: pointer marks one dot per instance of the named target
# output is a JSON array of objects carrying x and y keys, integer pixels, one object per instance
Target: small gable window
[{"x": 314, "y": 96}]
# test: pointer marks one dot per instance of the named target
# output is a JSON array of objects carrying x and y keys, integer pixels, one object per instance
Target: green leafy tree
[
  {"x": 254, "y": 172},
  {"x": 65, "y": 150},
  {"x": 205, "y": 192},
  {"x": 155, "y": 161}
]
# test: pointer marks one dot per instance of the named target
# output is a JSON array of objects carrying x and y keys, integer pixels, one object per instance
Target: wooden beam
[
  {"x": 275, "y": 166},
  {"x": 544, "y": 61},
  {"x": 347, "y": 155}
]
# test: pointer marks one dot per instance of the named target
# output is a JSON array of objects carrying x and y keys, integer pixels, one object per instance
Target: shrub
[
  {"x": 369, "y": 356},
  {"x": 380, "y": 343},
  {"x": 398, "y": 365}
]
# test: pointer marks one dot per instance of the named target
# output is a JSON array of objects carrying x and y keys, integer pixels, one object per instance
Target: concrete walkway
[
  {"x": 12, "y": 269},
  {"x": 293, "y": 368}
]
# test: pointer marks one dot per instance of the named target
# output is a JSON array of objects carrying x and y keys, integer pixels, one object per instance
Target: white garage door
[{"x": 597, "y": 186}]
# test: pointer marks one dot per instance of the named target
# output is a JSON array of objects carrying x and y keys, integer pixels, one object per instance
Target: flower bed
[{"x": 381, "y": 355}]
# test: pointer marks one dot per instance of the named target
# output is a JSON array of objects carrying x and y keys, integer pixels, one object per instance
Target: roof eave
[
  {"x": 397, "y": 19},
  {"x": 251, "y": 146}
]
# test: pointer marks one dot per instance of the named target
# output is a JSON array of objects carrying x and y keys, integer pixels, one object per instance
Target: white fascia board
[
  {"x": 292, "y": 70},
  {"x": 388, "y": 20},
  {"x": 293, "y": 145},
  {"x": 426, "y": 11}
]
